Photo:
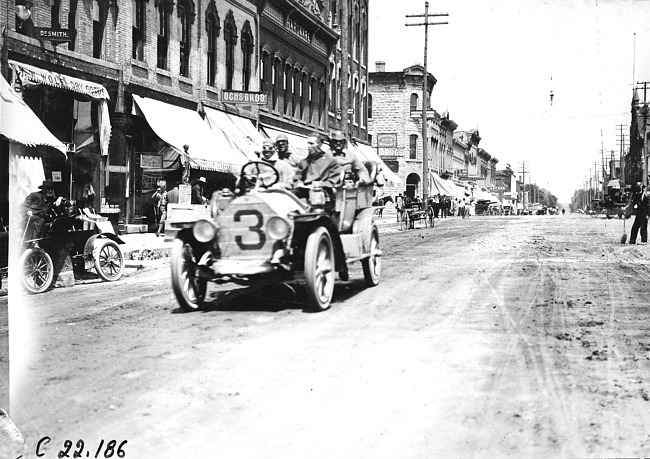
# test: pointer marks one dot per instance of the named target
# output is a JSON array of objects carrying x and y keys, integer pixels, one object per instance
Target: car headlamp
[
  {"x": 204, "y": 231},
  {"x": 277, "y": 228}
]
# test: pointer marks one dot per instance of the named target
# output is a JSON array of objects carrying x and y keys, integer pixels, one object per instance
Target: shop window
[
  {"x": 414, "y": 102},
  {"x": 413, "y": 146},
  {"x": 164, "y": 16},
  {"x": 24, "y": 17},
  {"x": 247, "y": 48},
  {"x": 230, "y": 37},
  {"x": 138, "y": 28},
  {"x": 100, "y": 8},
  {"x": 186, "y": 18}
]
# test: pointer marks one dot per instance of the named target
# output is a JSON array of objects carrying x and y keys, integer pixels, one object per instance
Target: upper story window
[
  {"x": 72, "y": 24},
  {"x": 247, "y": 48},
  {"x": 230, "y": 37},
  {"x": 164, "y": 19},
  {"x": 186, "y": 17},
  {"x": 138, "y": 27},
  {"x": 24, "y": 17},
  {"x": 369, "y": 106},
  {"x": 100, "y": 10},
  {"x": 56, "y": 14},
  {"x": 334, "y": 15},
  {"x": 413, "y": 146},
  {"x": 212, "y": 28},
  {"x": 414, "y": 102}
]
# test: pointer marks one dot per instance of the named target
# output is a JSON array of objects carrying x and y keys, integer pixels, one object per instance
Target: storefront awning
[
  {"x": 208, "y": 149},
  {"x": 19, "y": 123},
  {"x": 239, "y": 132},
  {"x": 438, "y": 185},
  {"x": 370, "y": 154},
  {"x": 297, "y": 143}
]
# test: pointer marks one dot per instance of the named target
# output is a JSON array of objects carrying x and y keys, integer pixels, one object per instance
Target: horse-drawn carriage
[
  {"x": 414, "y": 212},
  {"x": 613, "y": 203}
]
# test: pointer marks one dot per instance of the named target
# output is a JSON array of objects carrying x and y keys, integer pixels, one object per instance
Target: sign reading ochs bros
[{"x": 244, "y": 97}]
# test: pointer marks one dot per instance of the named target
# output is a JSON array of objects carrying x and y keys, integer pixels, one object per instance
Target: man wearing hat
[
  {"x": 355, "y": 171},
  {"x": 37, "y": 209},
  {"x": 318, "y": 166},
  {"x": 197, "y": 191},
  {"x": 270, "y": 156},
  {"x": 641, "y": 207}
]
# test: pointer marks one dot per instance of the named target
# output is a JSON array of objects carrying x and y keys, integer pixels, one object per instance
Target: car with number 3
[{"x": 264, "y": 231}]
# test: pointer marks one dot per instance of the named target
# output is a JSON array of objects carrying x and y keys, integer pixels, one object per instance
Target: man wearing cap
[
  {"x": 282, "y": 144},
  {"x": 355, "y": 171},
  {"x": 37, "y": 209},
  {"x": 270, "y": 156},
  {"x": 319, "y": 165},
  {"x": 197, "y": 192},
  {"x": 641, "y": 207}
]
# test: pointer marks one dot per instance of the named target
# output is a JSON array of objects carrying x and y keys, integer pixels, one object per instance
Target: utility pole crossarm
[
  {"x": 426, "y": 24},
  {"x": 427, "y": 15}
]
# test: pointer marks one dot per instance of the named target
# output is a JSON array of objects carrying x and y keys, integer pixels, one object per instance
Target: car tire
[
  {"x": 372, "y": 264},
  {"x": 189, "y": 290},
  {"x": 36, "y": 269},
  {"x": 319, "y": 269}
]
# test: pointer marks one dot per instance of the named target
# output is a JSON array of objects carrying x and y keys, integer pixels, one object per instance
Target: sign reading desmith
[
  {"x": 58, "y": 35},
  {"x": 244, "y": 97}
]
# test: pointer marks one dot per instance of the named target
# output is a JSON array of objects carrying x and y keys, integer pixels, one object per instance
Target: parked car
[{"x": 266, "y": 231}]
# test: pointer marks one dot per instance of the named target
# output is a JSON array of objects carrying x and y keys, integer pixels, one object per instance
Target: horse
[{"x": 382, "y": 202}]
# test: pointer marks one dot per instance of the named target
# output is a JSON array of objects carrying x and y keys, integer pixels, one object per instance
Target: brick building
[{"x": 633, "y": 163}]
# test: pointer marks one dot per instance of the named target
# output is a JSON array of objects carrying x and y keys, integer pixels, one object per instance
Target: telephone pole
[
  {"x": 523, "y": 172},
  {"x": 621, "y": 157},
  {"x": 644, "y": 113},
  {"x": 425, "y": 99}
]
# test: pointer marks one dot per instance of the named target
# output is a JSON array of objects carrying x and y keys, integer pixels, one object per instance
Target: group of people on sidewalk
[{"x": 442, "y": 206}]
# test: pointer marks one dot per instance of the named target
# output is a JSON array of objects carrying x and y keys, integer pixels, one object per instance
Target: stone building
[{"x": 395, "y": 126}]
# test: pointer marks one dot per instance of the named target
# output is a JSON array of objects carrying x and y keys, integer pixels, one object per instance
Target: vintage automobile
[{"x": 267, "y": 231}]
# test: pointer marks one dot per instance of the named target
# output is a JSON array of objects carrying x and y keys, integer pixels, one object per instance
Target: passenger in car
[
  {"x": 355, "y": 172},
  {"x": 318, "y": 166},
  {"x": 286, "y": 172}
]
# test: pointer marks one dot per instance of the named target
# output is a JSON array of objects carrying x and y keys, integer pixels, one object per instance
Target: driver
[
  {"x": 318, "y": 166},
  {"x": 355, "y": 171},
  {"x": 37, "y": 209},
  {"x": 285, "y": 171}
]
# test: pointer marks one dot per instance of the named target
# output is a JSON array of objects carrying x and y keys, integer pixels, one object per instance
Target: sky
[{"x": 497, "y": 61}]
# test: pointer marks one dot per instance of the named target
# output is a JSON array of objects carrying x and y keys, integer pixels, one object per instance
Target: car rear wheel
[
  {"x": 319, "y": 269},
  {"x": 109, "y": 260},
  {"x": 37, "y": 270},
  {"x": 189, "y": 290},
  {"x": 372, "y": 264}
]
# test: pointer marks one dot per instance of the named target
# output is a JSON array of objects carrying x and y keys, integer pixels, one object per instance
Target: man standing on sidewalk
[{"x": 641, "y": 207}]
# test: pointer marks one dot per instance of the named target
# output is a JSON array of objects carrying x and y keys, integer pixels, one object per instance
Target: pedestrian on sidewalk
[
  {"x": 160, "y": 197},
  {"x": 641, "y": 208},
  {"x": 399, "y": 205}
]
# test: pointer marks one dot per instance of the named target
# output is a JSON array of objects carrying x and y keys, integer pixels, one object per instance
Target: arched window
[
  {"x": 413, "y": 146},
  {"x": 414, "y": 102},
  {"x": 230, "y": 37},
  {"x": 186, "y": 18},
  {"x": 288, "y": 85},
  {"x": 212, "y": 28},
  {"x": 138, "y": 22},
  {"x": 332, "y": 88},
  {"x": 247, "y": 47},
  {"x": 304, "y": 101},
  {"x": 297, "y": 93},
  {"x": 369, "y": 106}
]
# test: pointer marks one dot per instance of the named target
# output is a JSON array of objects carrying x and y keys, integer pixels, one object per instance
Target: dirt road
[{"x": 487, "y": 337}]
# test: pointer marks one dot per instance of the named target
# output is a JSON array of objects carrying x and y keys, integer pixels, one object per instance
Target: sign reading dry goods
[{"x": 244, "y": 97}]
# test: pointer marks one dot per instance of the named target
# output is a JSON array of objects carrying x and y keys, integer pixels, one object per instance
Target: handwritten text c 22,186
[{"x": 105, "y": 449}]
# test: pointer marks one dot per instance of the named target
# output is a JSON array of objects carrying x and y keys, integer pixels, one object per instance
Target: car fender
[
  {"x": 305, "y": 224},
  {"x": 364, "y": 225}
]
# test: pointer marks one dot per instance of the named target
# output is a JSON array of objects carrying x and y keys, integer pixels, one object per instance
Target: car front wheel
[
  {"x": 189, "y": 290},
  {"x": 319, "y": 268}
]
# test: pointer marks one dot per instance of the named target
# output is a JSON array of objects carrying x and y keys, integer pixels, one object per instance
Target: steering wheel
[{"x": 261, "y": 173}]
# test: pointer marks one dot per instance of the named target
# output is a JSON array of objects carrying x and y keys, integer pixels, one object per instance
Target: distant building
[{"x": 633, "y": 164}]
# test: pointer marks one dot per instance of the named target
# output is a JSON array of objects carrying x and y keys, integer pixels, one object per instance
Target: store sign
[
  {"x": 387, "y": 140},
  {"x": 57, "y": 35},
  {"x": 119, "y": 169},
  {"x": 56, "y": 176},
  {"x": 244, "y": 97},
  {"x": 33, "y": 75},
  {"x": 70, "y": 147},
  {"x": 151, "y": 161}
]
